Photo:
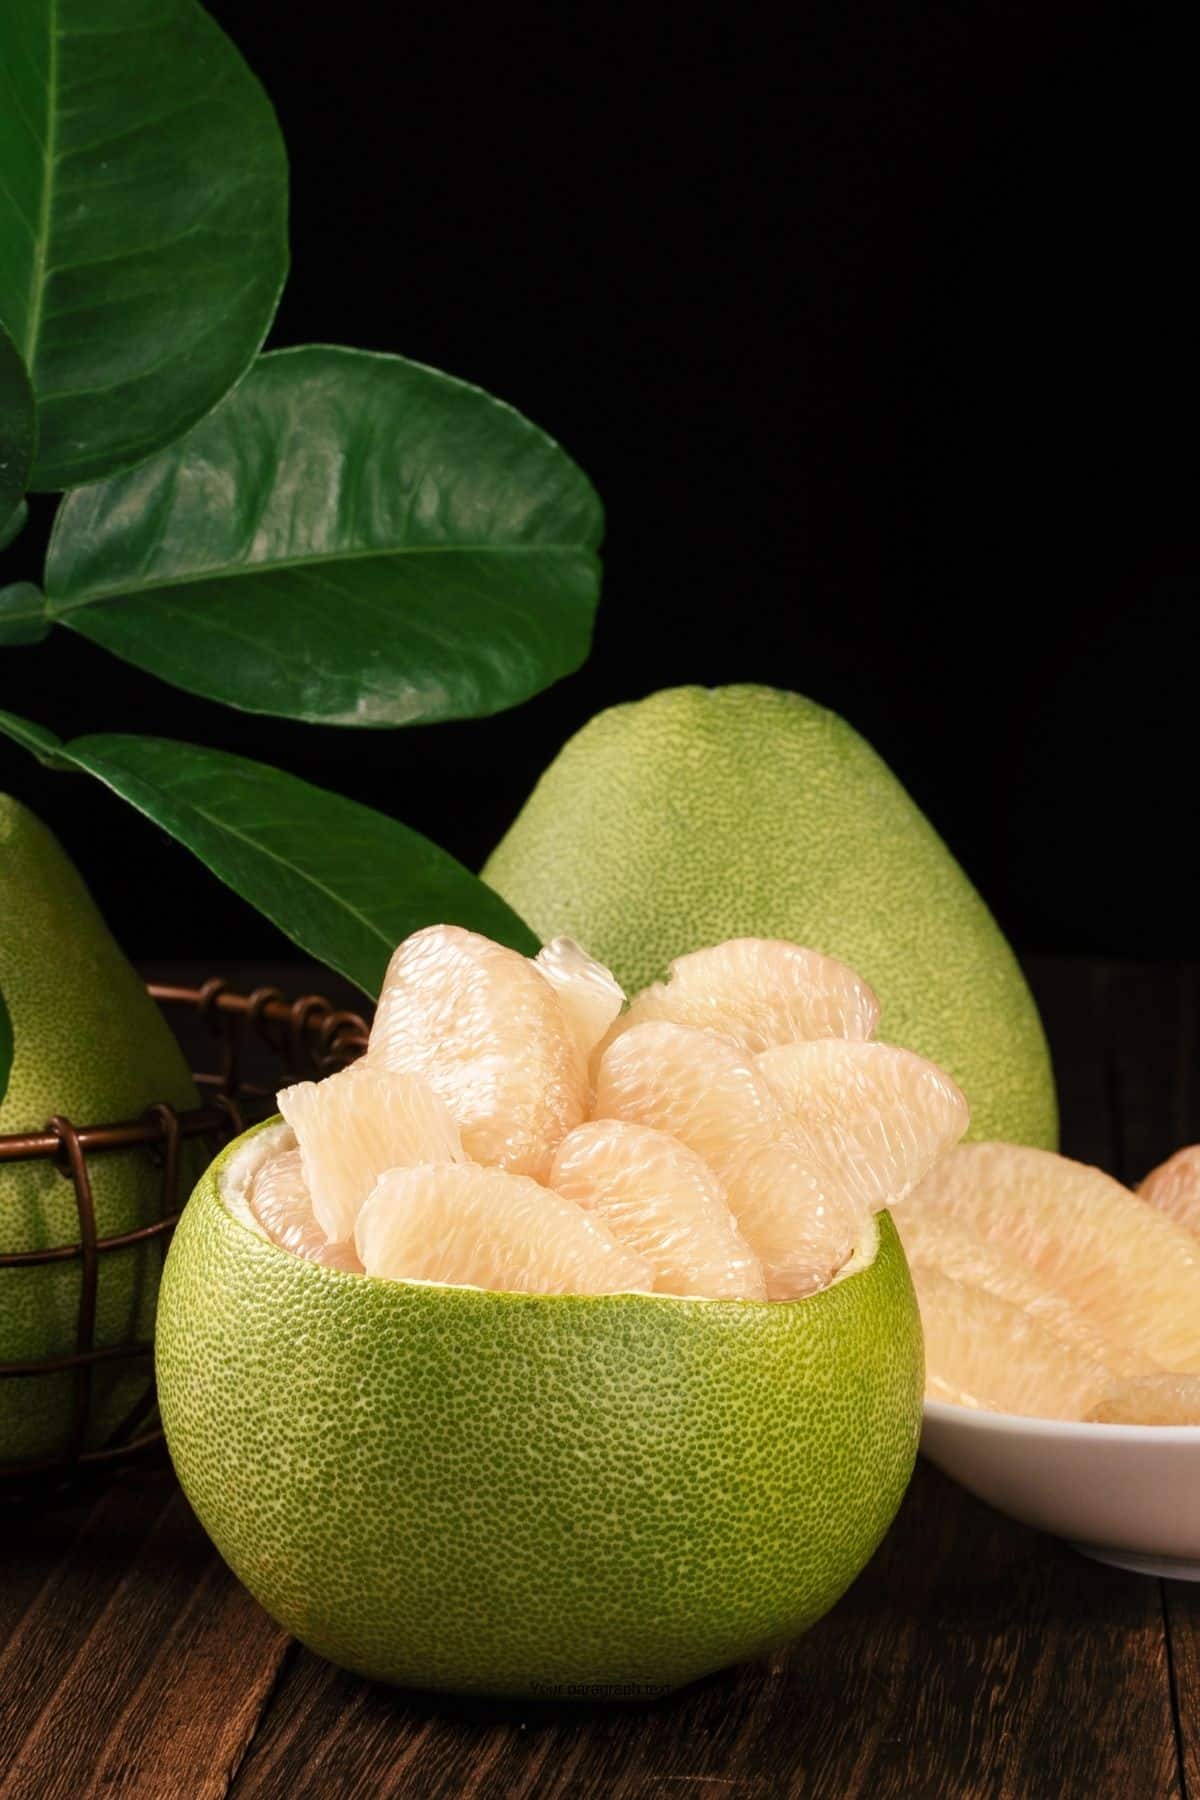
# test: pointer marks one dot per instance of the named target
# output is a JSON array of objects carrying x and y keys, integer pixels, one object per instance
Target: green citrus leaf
[
  {"x": 6, "y": 1048},
  {"x": 22, "y": 614},
  {"x": 143, "y": 222},
  {"x": 344, "y": 882},
  {"x": 37, "y": 740},
  {"x": 18, "y": 429},
  {"x": 15, "y": 524},
  {"x": 350, "y": 539}
]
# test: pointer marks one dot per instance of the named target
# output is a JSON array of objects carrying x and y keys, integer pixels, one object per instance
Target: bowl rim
[{"x": 945, "y": 1412}]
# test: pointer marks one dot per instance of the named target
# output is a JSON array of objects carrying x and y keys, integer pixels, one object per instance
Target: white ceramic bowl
[{"x": 1125, "y": 1494}]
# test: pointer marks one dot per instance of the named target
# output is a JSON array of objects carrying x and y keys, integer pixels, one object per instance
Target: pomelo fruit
[
  {"x": 280, "y": 1201},
  {"x": 664, "y": 1201},
  {"x": 1151, "y": 1400},
  {"x": 485, "y": 1027},
  {"x": 511, "y": 1493},
  {"x": 352, "y": 1126},
  {"x": 1133, "y": 1271},
  {"x": 935, "y": 1240},
  {"x": 760, "y": 992},
  {"x": 463, "y": 1224},
  {"x": 588, "y": 993},
  {"x": 91, "y": 1045},
  {"x": 703, "y": 814},
  {"x": 702, "y": 1088},
  {"x": 870, "y": 1119},
  {"x": 982, "y": 1351},
  {"x": 1174, "y": 1187}
]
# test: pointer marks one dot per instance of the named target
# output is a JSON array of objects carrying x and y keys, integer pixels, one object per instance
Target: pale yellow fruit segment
[
  {"x": 701, "y": 1088},
  {"x": 664, "y": 1202},
  {"x": 588, "y": 993},
  {"x": 759, "y": 991},
  {"x": 486, "y": 1030},
  {"x": 1130, "y": 1268},
  {"x": 872, "y": 1119},
  {"x": 466, "y": 1225},
  {"x": 1174, "y": 1187},
  {"x": 935, "y": 1239},
  {"x": 984, "y": 1352},
  {"x": 354, "y": 1125},
  {"x": 802, "y": 1231},
  {"x": 280, "y": 1201},
  {"x": 1152, "y": 1400}
]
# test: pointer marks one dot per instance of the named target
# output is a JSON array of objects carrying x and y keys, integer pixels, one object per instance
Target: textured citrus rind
[
  {"x": 449, "y": 1488},
  {"x": 91, "y": 1045},
  {"x": 700, "y": 814}
]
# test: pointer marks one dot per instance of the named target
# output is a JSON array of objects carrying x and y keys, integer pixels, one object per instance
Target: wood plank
[
  {"x": 973, "y": 1658},
  {"x": 147, "y": 1683},
  {"x": 63, "y": 1573},
  {"x": 1182, "y": 1603},
  {"x": 35, "y": 1539}
]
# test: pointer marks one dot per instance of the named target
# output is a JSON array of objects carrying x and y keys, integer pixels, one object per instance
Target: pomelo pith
[
  {"x": 515, "y": 1493},
  {"x": 698, "y": 815}
]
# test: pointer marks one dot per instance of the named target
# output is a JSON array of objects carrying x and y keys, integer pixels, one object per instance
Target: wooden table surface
[{"x": 972, "y": 1657}]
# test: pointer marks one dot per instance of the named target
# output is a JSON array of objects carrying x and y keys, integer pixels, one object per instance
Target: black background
[{"x": 876, "y": 331}]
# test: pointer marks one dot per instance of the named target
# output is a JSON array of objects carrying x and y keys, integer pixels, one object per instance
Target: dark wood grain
[
  {"x": 1182, "y": 1608},
  {"x": 138, "y": 1666},
  {"x": 972, "y": 1659}
]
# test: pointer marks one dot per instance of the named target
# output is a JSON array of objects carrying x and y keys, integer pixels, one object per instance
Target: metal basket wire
[{"x": 306, "y": 1037}]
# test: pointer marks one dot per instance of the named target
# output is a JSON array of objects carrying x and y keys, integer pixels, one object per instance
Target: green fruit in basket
[
  {"x": 520, "y": 1493},
  {"x": 703, "y": 814},
  {"x": 89, "y": 1044}
]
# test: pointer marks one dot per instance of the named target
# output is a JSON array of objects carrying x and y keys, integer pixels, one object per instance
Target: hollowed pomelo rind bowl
[{"x": 449, "y": 1488}]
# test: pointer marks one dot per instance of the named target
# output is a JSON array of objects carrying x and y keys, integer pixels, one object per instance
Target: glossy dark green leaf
[
  {"x": 18, "y": 431},
  {"x": 350, "y": 539},
  {"x": 22, "y": 614},
  {"x": 6, "y": 1047},
  {"x": 15, "y": 524},
  {"x": 143, "y": 222},
  {"x": 344, "y": 882}
]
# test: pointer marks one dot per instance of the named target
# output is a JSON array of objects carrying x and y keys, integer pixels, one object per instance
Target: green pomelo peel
[{"x": 507, "y": 1493}]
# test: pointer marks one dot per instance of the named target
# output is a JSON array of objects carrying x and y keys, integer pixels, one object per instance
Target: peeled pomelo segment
[
  {"x": 699, "y": 1087},
  {"x": 1132, "y": 1270},
  {"x": 871, "y": 1119},
  {"x": 664, "y": 1202},
  {"x": 590, "y": 995},
  {"x": 984, "y": 1352},
  {"x": 759, "y": 991},
  {"x": 471, "y": 1226},
  {"x": 1151, "y": 1400},
  {"x": 352, "y": 1126},
  {"x": 702, "y": 1089},
  {"x": 486, "y": 1030},
  {"x": 279, "y": 1199},
  {"x": 802, "y": 1232},
  {"x": 935, "y": 1239},
  {"x": 1174, "y": 1187}
]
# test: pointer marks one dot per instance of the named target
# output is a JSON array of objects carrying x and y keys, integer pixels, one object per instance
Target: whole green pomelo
[
  {"x": 523, "y": 1493},
  {"x": 703, "y": 814},
  {"x": 88, "y": 1043}
]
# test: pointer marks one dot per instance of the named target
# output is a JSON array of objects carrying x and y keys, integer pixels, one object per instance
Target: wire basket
[{"x": 305, "y": 1037}]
